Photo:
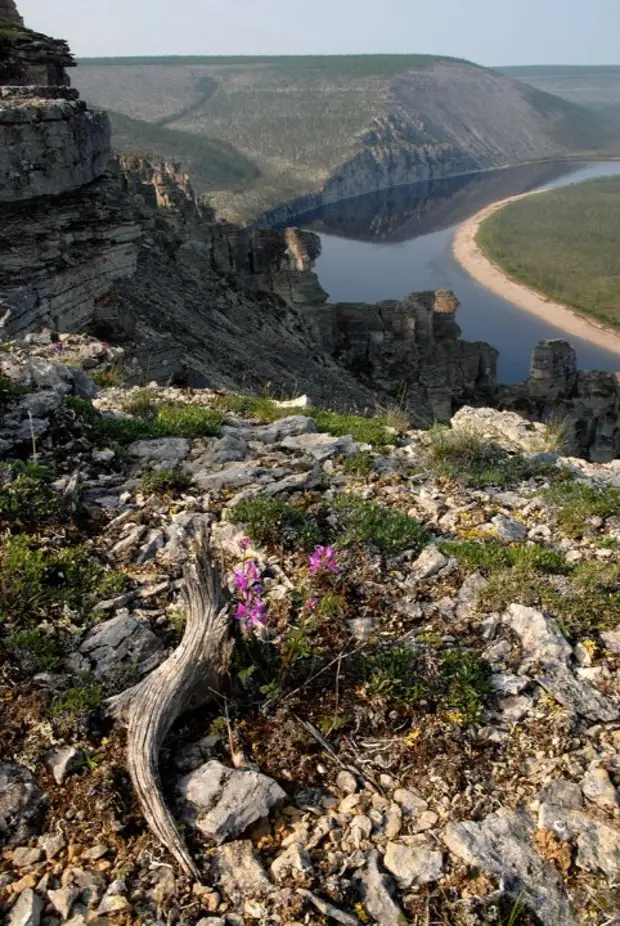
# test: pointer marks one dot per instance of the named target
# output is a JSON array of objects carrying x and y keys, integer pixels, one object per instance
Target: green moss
[
  {"x": 35, "y": 649},
  {"x": 270, "y": 520},
  {"x": 365, "y": 522},
  {"x": 170, "y": 419},
  {"x": 360, "y": 464},
  {"x": 79, "y": 701},
  {"x": 575, "y": 503},
  {"x": 364, "y": 430},
  {"x": 9, "y": 391}
]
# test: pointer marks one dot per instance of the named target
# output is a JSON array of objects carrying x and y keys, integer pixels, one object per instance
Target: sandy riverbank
[{"x": 492, "y": 277}]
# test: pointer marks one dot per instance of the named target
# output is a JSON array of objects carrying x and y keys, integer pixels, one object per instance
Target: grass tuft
[{"x": 365, "y": 522}]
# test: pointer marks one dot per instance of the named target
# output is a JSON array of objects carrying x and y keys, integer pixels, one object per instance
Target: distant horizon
[
  {"x": 520, "y": 34},
  {"x": 363, "y": 54}
]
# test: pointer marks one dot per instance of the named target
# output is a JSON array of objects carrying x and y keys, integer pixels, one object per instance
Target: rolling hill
[{"x": 257, "y": 133}]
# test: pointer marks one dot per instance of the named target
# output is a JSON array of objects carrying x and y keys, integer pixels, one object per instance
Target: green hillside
[
  {"x": 212, "y": 164},
  {"x": 565, "y": 244},
  {"x": 258, "y": 132}
]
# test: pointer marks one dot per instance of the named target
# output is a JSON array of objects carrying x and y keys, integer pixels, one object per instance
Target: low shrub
[
  {"x": 366, "y": 522},
  {"x": 491, "y": 556},
  {"x": 270, "y": 520},
  {"x": 38, "y": 582},
  {"x": 434, "y": 681},
  {"x": 165, "y": 481}
]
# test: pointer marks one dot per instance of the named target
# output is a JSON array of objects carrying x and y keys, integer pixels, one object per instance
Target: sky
[{"x": 490, "y": 32}]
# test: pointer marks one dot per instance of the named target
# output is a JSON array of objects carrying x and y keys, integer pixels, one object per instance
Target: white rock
[
  {"x": 540, "y": 637},
  {"x": 346, "y": 782},
  {"x": 611, "y": 639},
  {"x": 429, "y": 562},
  {"x": 376, "y": 890},
  {"x": 63, "y": 899},
  {"x": 294, "y": 859},
  {"x": 412, "y": 804},
  {"x": 415, "y": 863},
  {"x": 27, "y": 911},
  {"x": 241, "y": 872},
  {"x": 64, "y": 761},
  {"x": 222, "y": 802},
  {"x": 502, "y": 844}
]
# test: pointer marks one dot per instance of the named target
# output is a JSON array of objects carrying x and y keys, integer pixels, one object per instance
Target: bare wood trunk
[{"x": 189, "y": 678}]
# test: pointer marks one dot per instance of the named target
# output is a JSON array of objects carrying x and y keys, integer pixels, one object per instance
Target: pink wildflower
[{"x": 323, "y": 560}]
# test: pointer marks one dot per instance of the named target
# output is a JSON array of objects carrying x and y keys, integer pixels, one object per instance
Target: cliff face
[{"x": 66, "y": 228}]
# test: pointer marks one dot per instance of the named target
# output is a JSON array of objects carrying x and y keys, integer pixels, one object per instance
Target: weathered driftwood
[{"x": 188, "y": 679}]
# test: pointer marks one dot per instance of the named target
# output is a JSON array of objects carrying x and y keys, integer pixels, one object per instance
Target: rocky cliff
[{"x": 124, "y": 249}]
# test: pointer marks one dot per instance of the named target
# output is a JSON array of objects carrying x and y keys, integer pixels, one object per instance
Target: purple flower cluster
[
  {"x": 251, "y": 612},
  {"x": 323, "y": 560}
]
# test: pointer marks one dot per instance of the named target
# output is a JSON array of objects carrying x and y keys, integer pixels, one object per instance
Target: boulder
[
  {"x": 168, "y": 451},
  {"x": 501, "y": 844},
  {"x": 321, "y": 446},
  {"x": 223, "y": 803},
  {"x": 122, "y": 641}
]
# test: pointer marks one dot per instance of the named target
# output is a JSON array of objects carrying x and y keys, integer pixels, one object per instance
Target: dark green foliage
[
  {"x": 270, "y": 520},
  {"x": 328, "y": 65},
  {"x": 27, "y": 499},
  {"x": 491, "y": 556},
  {"x": 365, "y": 522},
  {"x": 453, "y": 680},
  {"x": 165, "y": 481},
  {"x": 35, "y": 649},
  {"x": 564, "y": 243},
  {"x": 471, "y": 460},
  {"x": 9, "y": 391},
  {"x": 38, "y": 582},
  {"x": 211, "y": 162},
  {"x": 575, "y": 503}
]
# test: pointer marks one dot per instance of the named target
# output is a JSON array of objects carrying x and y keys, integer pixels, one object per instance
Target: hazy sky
[{"x": 487, "y": 31}]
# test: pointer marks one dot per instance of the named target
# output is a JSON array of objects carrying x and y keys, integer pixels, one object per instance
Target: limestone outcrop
[
  {"x": 67, "y": 229},
  {"x": 582, "y": 405}
]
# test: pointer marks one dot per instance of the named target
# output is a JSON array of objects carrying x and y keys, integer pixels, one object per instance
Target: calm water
[{"x": 384, "y": 246}]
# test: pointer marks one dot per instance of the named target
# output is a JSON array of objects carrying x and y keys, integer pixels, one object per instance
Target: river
[{"x": 384, "y": 246}]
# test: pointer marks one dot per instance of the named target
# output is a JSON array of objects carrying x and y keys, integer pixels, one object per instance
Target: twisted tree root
[{"x": 187, "y": 679}]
